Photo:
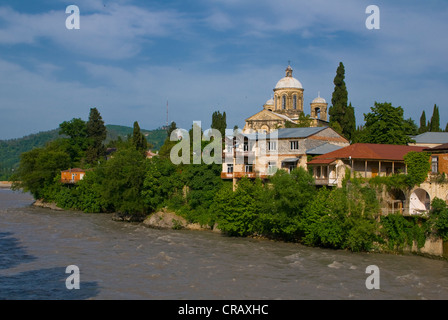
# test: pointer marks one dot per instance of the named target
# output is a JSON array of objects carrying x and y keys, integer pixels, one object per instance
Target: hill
[{"x": 10, "y": 150}]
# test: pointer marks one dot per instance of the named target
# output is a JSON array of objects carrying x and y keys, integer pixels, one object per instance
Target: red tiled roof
[{"x": 367, "y": 151}]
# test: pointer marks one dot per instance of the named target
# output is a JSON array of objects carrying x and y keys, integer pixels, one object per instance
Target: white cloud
[{"x": 116, "y": 32}]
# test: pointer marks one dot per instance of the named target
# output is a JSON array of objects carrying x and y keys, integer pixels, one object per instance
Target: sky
[{"x": 130, "y": 59}]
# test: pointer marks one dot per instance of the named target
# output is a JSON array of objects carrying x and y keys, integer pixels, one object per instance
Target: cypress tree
[
  {"x": 423, "y": 126},
  {"x": 341, "y": 115},
  {"x": 435, "y": 120}
]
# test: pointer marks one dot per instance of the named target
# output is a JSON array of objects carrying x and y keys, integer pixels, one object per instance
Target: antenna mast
[{"x": 167, "y": 113}]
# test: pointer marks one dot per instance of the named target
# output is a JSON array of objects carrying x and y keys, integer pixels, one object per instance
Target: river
[{"x": 124, "y": 261}]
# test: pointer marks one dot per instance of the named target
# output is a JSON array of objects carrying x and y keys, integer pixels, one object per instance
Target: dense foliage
[{"x": 385, "y": 125}]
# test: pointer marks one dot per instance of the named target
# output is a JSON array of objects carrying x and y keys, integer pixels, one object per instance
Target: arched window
[
  {"x": 294, "y": 102},
  {"x": 284, "y": 102}
]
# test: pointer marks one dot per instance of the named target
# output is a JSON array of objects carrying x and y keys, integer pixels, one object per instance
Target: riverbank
[
  {"x": 5, "y": 185},
  {"x": 166, "y": 220},
  {"x": 162, "y": 219}
]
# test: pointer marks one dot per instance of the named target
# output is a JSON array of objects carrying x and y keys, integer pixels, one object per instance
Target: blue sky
[{"x": 130, "y": 57}]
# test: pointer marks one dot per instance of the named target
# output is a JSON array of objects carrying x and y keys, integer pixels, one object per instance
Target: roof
[
  {"x": 367, "y": 151},
  {"x": 295, "y": 132},
  {"x": 281, "y": 116},
  {"x": 74, "y": 170},
  {"x": 442, "y": 147},
  {"x": 432, "y": 137},
  {"x": 288, "y": 82},
  {"x": 323, "y": 149},
  {"x": 319, "y": 100},
  {"x": 270, "y": 102}
]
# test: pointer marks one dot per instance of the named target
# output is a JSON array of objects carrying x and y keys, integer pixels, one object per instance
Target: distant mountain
[{"x": 10, "y": 150}]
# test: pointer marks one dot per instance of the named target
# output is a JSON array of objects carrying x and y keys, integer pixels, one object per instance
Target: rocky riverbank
[
  {"x": 49, "y": 205},
  {"x": 169, "y": 220}
]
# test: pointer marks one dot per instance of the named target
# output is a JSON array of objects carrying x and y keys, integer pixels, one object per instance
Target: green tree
[
  {"x": 283, "y": 203},
  {"x": 349, "y": 123},
  {"x": 138, "y": 139},
  {"x": 96, "y": 132},
  {"x": 122, "y": 186},
  {"x": 237, "y": 210},
  {"x": 423, "y": 126},
  {"x": 439, "y": 218},
  {"x": 410, "y": 127},
  {"x": 161, "y": 182},
  {"x": 343, "y": 218},
  {"x": 219, "y": 122},
  {"x": 165, "y": 150},
  {"x": 76, "y": 130},
  {"x": 384, "y": 125},
  {"x": 40, "y": 170},
  {"x": 339, "y": 98},
  {"x": 435, "y": 120}
]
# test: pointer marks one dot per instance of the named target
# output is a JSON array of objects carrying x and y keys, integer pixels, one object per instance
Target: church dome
[
  {"x": 319, "y": 100},
  {"x": 288, "y": 81},
  {"x": 270, "y": 102}
]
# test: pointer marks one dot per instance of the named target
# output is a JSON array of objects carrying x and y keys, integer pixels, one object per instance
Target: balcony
[
  {"x": 326, "y": 181},
  {"x": 238, "y": 175}
]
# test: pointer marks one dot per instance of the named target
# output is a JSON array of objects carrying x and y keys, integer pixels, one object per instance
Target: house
[
  {"x": 72, "y": 175},
  {"x": 363, "y": 159},
  {"x": 150, "y": 154},
  {"x": 430, "y": 139},
  {"x": 439, "y": 159},
  {"x": 260, "y": 155}
]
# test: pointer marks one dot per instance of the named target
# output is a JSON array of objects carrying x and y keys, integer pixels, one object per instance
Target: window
[
  {"x": 272, "y": 168},
  {"x": 248, "y": 168},
  {"x": 284, "y": 102},
  {"x": 230, "y": 168},
  {"x": 435, "y": 164},
  {"x": 294, "y": 145},
  {"x": 272, "y": 145},
  {"x": 294, "y": 102},
  {"x": 246, "y": 146}
]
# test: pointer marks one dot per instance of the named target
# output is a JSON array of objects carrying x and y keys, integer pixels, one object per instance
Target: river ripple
[{"x": 129, "y": 261}]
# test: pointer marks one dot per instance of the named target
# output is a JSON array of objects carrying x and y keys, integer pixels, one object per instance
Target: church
[{"x": 286, "y": 107}]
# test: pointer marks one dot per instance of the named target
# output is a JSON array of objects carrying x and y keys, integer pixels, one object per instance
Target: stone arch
[
  {"x": 396, "y": 201},
  {"x": 265, "y": 128},
  {"x": 419, "y": 201}
]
